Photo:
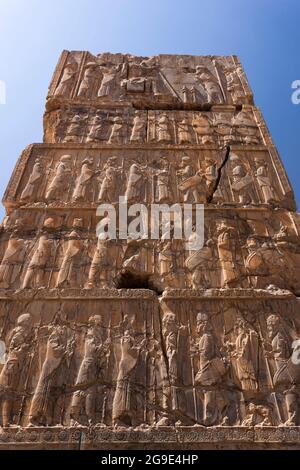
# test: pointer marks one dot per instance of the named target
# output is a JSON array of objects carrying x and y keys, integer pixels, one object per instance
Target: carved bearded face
[{"x": 273, "y": 323}]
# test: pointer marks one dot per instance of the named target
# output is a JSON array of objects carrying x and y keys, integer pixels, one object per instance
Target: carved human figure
[
  {"x": 264, "y": 182},
  {"x": 100, "y": 272},
  {"x": 169, "y": 260},
  {"x": 88, "y": 80},
  {"x": 136, "y": 255},
  {"x": 138, "y": 132},
  {"x": 184, "y": 134},
  {"x": 13, "y": 258},
  {"x": 108, "y": 82},
  {"x": 242, "y": 184},
  {"x": 170, "y": 330},
  {"x": 210, "y": 84},
  {"x": 66, "y": 83},
  {"x": 234, "y": 86},
  {"x": 245, "y": 354},
  {"x": 163, "y": 186},
  {"x": 203, "y": 129},
  {"x": 135, "y": 184},
  {"x": 96, "y": 132},
  {"x": 72, "y": 256},
  {"x": 46, "y": 406},
  {"x": 34, "y": 276},
  {"x": 76, "y": 128},
  {"x": 227, "y": 253},
  {"x": 202, "y": 264},
  {"x": 191, "y": 183},
  {"x": 127, "y": 356},
  {"x": 31, "y": 189},
  {"x": 110, "y": 181},
  {"x": 117, "y": 131},
  {"x": 90, "y": 374},
  {"x": 246, "y": 127},
  {"x": 163, "y": 132},
  {"x": 61, "y": 179},
  {"x": 287, "y": 372},
  {"x": 18, "y": 347},
  {"x": 211, "y": 371},
  {"x": 211, "y": 174},
  {"x": 84, "y": 180}
]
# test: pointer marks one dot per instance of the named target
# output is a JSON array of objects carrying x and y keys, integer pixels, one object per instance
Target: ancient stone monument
[{"x": 141, "y": 343}]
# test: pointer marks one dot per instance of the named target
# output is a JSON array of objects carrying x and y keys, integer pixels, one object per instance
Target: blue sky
[{"x": 263, "y": 33}]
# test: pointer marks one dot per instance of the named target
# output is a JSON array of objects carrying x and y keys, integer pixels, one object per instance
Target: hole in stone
[{"x": 132, "y": 280}]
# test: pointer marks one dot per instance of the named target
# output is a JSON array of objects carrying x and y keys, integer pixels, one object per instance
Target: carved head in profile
[
  {"x": 95, "y": 320},
  {"x": 252, "y": 243},
  {"x": 240, "y": 326},
  {"x": 25, "y": 320},
  {"x": 273, "y": 325},
  {"x": 49, "y": 223},
  {"x": 203, "y": 323},
  {"x": 65, "y": 158}
]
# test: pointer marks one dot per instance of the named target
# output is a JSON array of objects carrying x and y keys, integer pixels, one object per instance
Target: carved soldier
[
  {"x": 210, "y": 85},
  {"x": 211, "y": 371},
  {"x": 31, "y": 189},
  {"x": 46, "y": 407},
  {"x": 191, "y": 182},
  {"x": 97, "y": 129},
  {"x": 287, "y": 375},
  {"x": 169, "y": 259},
  {"x": 234, "y": 85},
  {"x": 19, "y": 345},
  {"x": 76, "y": 128},
  {"x": 227, "y": 253},
  {"x": 245, "y": 353},
  {"x": 90, "y": 373},
  {"x": 163, "y": 133},
  {"x": 117, "y": 131},
  {"x": 40, "y": 257},
  {"x": 110, "y": 181},
  {"x": 242, "y": 184},
  {"x": 102, "y": 264},
  {"x": 264, "y": 182},
  {"x": 72, "y": 256},
  {"x": 246, "y": 128},
  {"x": 109, "y": 75},
  {"x": 202, "y": 263},
  {"x": 13, "y": 259},
  {"x": 84, "y": 180},
  {"x": 184, "y": 134},
  {"x": 61, "y": 179},
  {"x": 139, "y": 129},
  {"x": 67, "y": 80},
  {"x": 127, "y": 356},
  {"x": 135, "y": 184},
  {"x": 170, "y": 374},
  {"x": 136, "y": 255},
  {"x": 163, "y": 186},
  {"x": 203, "y": 129},
  {"x": 88, "y": 80}
]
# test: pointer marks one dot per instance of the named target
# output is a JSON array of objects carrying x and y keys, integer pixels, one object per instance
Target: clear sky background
[{"x": 265, "y": 34}]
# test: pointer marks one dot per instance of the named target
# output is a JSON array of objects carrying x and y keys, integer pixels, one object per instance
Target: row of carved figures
[
  {"x": 119, "y": 130},
  {"x": 148, "y": 385},
  {"x": 164, "y": 181},
  {"x": 101, "y": 81},
  {"x": 220, "y": 262}
]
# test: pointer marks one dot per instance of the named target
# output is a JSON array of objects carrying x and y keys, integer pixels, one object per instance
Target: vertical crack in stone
[{"x": 217, "y": 182}]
